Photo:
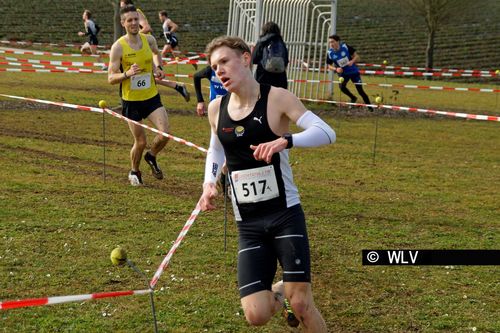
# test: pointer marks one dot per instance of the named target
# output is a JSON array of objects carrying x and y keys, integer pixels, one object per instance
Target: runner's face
[
  {"x": 130, "y": 21},
  {"x": 333, "y": 44},
  {"x": 230, "y": 66}
]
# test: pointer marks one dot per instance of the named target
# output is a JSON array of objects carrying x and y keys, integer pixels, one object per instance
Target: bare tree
[
  {"x": 117, "y": 27},
  {"x": 435, "y": 13}
]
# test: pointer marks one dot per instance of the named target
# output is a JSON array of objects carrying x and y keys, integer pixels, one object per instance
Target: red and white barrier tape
[
  {"x": 176, "y": 139},
  {"x": 56, "y": 54},
  {"x": 107, "y": 47},
  {"x": 179, "y": 75},
  {"x": 69, "y": 69},
  {"x": 202, "y": 55},
  {"x": 182, "y": 234},
  {"x": 55, "y": 62},
  {"x": 71, "y": 106},
  {"x": 113, "y": 113},
  {"x": 82, "y": 70},
  {"x": 73, "y": 71},
  {"x": 413, "y": 86},
  {"x": 28, "y": 43},
  {"x": 168, "y": 61},
  {"x": 443, "y": 113},
  {"x": 427, "y": 69},
  {"x": 6, "y": 305},
  {"x": 185, "y": 61},
  {"x": 438, "y": 74},
  {"x": 410, "y": 86},
  {"x": 412, "y": 109}
]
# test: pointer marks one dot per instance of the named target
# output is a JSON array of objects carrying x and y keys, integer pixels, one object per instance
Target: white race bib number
[
  {"x": 343, "y": 61},
  {"x": 255, "y": 185},
  {"x": 140, "y": 82}
]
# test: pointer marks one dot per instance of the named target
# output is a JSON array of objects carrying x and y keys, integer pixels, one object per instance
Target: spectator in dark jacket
[{"x": 270, "y": 33}]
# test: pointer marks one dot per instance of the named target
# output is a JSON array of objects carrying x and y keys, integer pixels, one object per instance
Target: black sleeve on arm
[
  {"x": 204, "y": 73},
  {"x": 350, "y": 49}
]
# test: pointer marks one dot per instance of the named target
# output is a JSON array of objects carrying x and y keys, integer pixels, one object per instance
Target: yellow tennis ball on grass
[
  {"x": 118, "y": 256},
  {"x": 103, "y": 104},
  {"x": 378, "y": 99}
]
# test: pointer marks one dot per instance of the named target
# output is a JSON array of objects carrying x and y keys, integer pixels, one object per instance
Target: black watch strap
[{"x": 289, "y": 139}]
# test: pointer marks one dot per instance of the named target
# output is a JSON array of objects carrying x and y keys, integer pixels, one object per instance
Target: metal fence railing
[{"x": 305, "y": 26}]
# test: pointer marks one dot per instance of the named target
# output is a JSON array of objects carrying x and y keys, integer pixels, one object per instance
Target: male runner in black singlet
[{"x": 250, "y": 128}]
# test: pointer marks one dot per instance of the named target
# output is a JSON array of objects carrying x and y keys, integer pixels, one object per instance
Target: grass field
[{"x": 432, "y": 185}]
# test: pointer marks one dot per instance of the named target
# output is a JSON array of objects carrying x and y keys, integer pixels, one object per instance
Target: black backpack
[
  {"x": 97, "y": 28},
  {"x": 274, "y": 57}
]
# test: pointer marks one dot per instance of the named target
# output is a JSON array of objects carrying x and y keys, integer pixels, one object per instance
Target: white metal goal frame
[{"x": 305, "y": 26}]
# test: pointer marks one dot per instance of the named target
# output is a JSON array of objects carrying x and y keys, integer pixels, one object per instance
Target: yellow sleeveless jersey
[{"x": 142, "y": 86}]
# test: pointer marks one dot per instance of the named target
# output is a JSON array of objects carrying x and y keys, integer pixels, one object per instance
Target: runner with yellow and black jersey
[
  {"x": 135, "y": 64},
  {"x": 145, "y": 28}
]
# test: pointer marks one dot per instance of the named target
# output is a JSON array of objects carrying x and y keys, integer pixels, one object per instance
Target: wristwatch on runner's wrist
[{"x": 289, "y": 139}]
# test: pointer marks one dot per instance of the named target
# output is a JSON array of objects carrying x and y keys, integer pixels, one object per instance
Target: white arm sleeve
[
  {"x": 214, "y": 161},
  {"x": 315, "y": 132}
]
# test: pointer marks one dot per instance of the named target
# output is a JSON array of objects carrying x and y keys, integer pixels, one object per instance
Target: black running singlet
[{"x": 258, "y": 188}]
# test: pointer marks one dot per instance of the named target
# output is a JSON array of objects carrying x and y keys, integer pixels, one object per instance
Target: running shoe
[
  {"x": 291, "y": 320},
  {"x": 353, "y": 100},
  {"x": 135, "y": 178},
  {"x": 278, "y": 290},
  {"x": 155, "y": 169},
  {"x": 184, "y": 92}
]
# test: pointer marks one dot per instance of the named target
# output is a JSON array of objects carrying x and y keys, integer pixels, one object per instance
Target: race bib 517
[{"x": 255, "y": 185}]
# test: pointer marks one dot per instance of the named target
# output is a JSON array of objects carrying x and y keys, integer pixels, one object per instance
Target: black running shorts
[
  {"x": 139, "y": 110},
  {"x": 263, "y": 241},
  {"x": 171, "y": 40},
  {"x": 93, "y": 40}
]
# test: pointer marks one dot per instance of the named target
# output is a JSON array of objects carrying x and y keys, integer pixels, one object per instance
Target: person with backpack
[
  {"x": 91, "y": 30},
  {"x": 271, "y": 57}
]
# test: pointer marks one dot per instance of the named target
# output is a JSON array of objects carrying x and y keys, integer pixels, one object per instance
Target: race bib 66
[{"x": 140, "y": 82}]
